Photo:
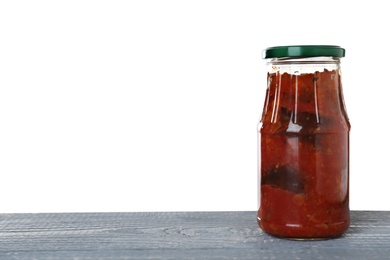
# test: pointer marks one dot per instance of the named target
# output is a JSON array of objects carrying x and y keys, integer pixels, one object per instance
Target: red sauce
[{"x": 304, "y": 155}]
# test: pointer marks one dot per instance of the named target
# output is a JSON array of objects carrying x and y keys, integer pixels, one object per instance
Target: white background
[{"x": 154, "y": 105}]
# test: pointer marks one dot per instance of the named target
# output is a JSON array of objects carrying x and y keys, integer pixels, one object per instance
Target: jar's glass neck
[{"x": 306, "y": 65}]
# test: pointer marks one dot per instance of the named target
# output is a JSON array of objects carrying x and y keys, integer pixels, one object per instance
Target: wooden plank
[{"x": 179, "y": 235}]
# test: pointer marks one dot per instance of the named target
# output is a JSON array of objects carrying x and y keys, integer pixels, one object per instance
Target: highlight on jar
[{"x": 303, "y": 159}]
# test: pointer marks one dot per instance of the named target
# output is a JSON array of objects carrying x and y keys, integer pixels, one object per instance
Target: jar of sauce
[{"x": 304, "y": 144}]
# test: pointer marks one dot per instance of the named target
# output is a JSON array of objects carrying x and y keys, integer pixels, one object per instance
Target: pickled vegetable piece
[{"x": 284, "y": 177}]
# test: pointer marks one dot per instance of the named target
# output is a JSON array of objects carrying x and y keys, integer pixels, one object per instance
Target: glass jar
[{"x": 304, "y": 144}]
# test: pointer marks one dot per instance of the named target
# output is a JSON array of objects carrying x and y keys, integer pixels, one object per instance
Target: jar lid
[{"x": 301, "y": 51}]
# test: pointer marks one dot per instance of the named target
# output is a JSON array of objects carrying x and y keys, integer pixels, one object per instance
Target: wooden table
[{"x": 179, "y": 235}]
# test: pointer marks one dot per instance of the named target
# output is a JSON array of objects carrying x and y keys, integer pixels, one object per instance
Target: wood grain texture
[{"x": 179, "y": 235}]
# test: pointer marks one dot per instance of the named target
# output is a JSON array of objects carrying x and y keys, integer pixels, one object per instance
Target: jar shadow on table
[{"x": 299, "y": 239}]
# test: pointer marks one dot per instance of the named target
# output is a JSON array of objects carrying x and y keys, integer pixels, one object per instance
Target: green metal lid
[{"x": 301, "y": 51}]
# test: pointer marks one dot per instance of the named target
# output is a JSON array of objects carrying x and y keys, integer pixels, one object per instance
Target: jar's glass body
[{"x": 304, "y": 150}]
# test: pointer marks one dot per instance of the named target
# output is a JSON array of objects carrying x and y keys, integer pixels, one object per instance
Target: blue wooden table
[{"x": 179, "y": 235}]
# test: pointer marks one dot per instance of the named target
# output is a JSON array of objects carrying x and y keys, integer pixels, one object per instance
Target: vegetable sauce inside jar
[{"x": 304, "y": 144}]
